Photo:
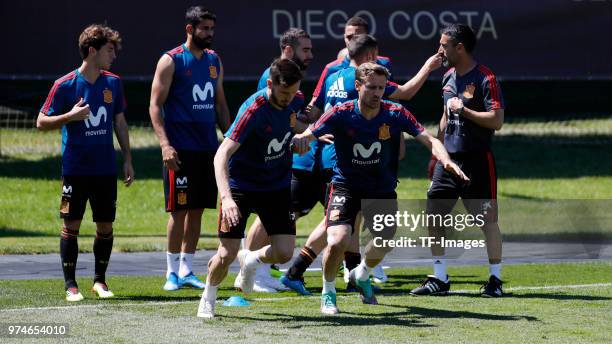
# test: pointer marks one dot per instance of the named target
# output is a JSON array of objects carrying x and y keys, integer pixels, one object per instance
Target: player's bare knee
[
  {"x": 283, "y": 254},
  {"x": 104, "y": 228}
]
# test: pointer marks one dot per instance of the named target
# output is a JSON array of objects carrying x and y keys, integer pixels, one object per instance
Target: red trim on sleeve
[
  {"x": 248, "y": 113},
  {"x": 496, "y": 100},
  {"x": 175, "y": 51},
  {"x": 107, "y": 73},
  {"x": 56, "y": 85}
]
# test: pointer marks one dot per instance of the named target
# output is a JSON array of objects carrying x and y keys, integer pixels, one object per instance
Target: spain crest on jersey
[
  {"x": 469, "y": 91},
  {"x": 213, "y": 71},
  {"x": 108, "y": 96},
  {"x": 383, "y": 132}
]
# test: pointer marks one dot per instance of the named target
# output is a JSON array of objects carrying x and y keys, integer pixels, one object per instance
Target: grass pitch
[
  {"x": 552, "y": 303},
  {"x": 535, "y": 161}
]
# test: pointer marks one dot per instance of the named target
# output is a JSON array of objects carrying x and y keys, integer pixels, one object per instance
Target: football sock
[
  {"x": 352, "y": 260},
  {"x": 301, "y": 263},
  {"x": 102, "y": 248},
  {"x": 329, "y": 287},
  {"x": 186, "y": 263},
  {"x": 439, "y": 266},
  {"x": 252, "y": 259},
  {"x": 362, "y": 271},
  {"x": 69, "y": 252},
  {"x": 210, "y": 291},
  {"x": 172, "y": 263},
  {"x": 495, "y": 270}
]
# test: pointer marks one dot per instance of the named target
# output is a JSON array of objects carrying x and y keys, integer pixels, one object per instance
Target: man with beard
[
  {"x": 473, "y": 110},
  {"x": 187, "y": 98},
  {"x": 307, "y": 186},
  {"x": 295, "y": 45},
  {"x": 253, "y": 173}
]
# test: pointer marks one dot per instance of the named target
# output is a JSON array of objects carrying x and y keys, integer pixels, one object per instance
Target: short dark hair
[
  {"x": 460, "y": 33},
  {"x": 359, "y": 45},
  {"x": 97, "y": 36},
  {"x": 285, "y": 72},
  {"x": 196, "y": 14},
  {"x": 292, "y": 37},
  {"x": 358, "y": 21},
  {"x": 365, "y": 69}
]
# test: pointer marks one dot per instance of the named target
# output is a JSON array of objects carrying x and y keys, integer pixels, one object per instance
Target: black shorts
[
  {"x": 479, "y": 195},
  {"x": 308, "y": 188},
  {"x": 344, "y": 204},
  {"x": 193, "y": 186},
  {"x": 272, "y": 207},
  {"x": 101, "y": 191}
]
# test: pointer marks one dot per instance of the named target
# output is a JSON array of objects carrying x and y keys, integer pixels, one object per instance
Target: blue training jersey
[
  {"x": 340, "y": 64},
  {"x": 263, "y": 160},
  {"x": 189, "y": 110},
  {"x": 304, "y": 162},
  {"x": 339, "y": 88},
  {"x": 263, "y": 80},
  {"x": 87, "y": 146},
  {"x": 479, "y": 91},
  {"x": 367, "y": 149}
]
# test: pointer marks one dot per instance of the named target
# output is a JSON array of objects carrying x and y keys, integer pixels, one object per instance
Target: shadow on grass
[
  {"x": 557, "y": 296},
  {"x": 529, "y": 157},
  {"x": 448, "y": 314},
  {"x": 514, "y": 158},
  {"x": 295, "y": 321},
  {"x": 147, "y": 165}
]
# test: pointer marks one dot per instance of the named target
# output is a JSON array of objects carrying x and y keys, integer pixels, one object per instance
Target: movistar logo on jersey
[
  {"x": 202, "y": 95},
  {"x": 275, "y": 147},
  {"x": 95, "y": 120},
  {"x": 337, "y": 89},
  {"x": 360, "y": 152}
]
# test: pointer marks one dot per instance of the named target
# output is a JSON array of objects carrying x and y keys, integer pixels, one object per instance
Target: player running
[
  {"x": 366, "y": 136},
  {"x": 88, "y": 105},
  {"x": 295, "y": 45},
  {"x": 187, "y": 99},
  {"x": 473, "y": 110},
  {"x": 253, "y": 173},
  {"x": 340, "y": 87}
]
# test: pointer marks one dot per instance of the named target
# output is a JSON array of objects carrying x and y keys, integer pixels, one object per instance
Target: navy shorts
[
  {"x": 101, "y": 191},
  {"x": 479, "y": 195},
  {"x": 272, "y": 207},
  {"x": 193, "y": 186}
]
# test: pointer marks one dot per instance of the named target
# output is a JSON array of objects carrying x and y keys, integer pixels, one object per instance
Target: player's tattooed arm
[
  {"x": 159, "y": 93},
  {"x": 223, "y": 115},
  {"x": 493, "y": 119},
  {"x": 412, "y": 86},
  {"x": 79, "y": 112},
  {"x": 437, "y": 149},
  {"x": 229, "y": 210}
]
